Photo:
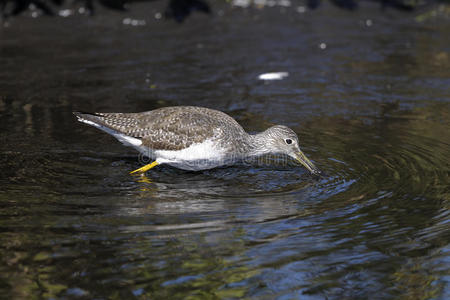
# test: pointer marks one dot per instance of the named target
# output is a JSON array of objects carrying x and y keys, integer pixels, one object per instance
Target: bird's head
[{"x": 283, "y": 140}]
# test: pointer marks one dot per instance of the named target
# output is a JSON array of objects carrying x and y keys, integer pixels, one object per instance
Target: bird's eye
[{"x": 288, "y": 141}]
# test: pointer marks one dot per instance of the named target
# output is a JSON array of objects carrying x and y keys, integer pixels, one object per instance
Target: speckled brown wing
[
  {"x": 176, "y": 128},
  {"x": 170, "y": 128}
]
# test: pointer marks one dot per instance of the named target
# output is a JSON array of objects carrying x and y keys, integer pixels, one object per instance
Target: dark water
[{"x": 371, "y": 109}]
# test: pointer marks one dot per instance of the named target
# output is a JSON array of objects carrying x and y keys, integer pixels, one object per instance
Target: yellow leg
[{"x": 145, "y": 168}]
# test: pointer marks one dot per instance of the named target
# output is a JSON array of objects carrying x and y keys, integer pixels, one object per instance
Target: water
[{"x": 370, "y": 105}]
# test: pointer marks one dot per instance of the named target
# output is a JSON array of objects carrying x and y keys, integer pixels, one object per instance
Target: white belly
[{"x": 194, "y": 158}]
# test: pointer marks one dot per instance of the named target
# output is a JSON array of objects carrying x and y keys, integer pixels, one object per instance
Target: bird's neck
[{"x": 257, "y": 144}]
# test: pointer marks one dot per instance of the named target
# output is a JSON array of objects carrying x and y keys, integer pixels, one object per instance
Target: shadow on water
[{"x": 372, "y": 114}]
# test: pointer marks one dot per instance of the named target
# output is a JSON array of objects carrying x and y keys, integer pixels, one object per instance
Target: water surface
[{"x": 370, "y": 104}]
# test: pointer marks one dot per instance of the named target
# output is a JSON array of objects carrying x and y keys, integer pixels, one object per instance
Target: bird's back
[{"x": 169, "y": 128}]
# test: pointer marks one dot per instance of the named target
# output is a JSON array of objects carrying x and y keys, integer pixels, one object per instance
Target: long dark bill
[{"x": 301, "y": 158}]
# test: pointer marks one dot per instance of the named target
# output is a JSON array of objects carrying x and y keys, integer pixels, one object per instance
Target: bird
[{"x": 195, "y": 138}]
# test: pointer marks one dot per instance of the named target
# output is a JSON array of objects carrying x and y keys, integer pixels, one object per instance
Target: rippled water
[{"x": 370, "y": 105}]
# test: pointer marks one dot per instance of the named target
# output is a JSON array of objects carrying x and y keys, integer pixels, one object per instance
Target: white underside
[
  {"x": 196, "y": 157},
  {"x": 123, "y": 138},
  {"x": 200, "y": 156}
]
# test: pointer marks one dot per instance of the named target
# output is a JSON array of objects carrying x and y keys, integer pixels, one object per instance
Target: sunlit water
[{"x": 370, "y": 105}]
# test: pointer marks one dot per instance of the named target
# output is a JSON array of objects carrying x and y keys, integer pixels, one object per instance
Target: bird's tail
[{"x": 111, "y": 123}]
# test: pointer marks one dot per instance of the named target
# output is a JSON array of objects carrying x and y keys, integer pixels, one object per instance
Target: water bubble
[
  {"x": 273, "y": 76},
  {"x": 65, "y": 13},
  {"x": 133, "y": 22},
  {"x": 301, "y": 9}
]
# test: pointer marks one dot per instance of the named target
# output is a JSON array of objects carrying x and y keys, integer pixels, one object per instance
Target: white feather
[
  {"x": 123, "y": 138},
  {"x": 196, "y": 157}
]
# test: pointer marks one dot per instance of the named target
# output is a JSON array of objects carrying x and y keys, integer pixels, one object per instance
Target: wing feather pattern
[{"x": 168, "y": 128}]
